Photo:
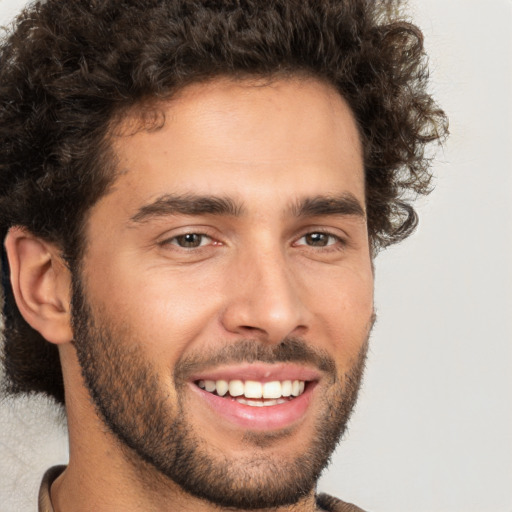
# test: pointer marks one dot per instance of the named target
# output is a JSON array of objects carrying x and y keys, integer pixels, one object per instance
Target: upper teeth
[{"x": 254, "y": 389}]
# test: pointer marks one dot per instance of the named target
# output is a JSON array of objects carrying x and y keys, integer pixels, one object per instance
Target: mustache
[{"x": 290, "y": 350}]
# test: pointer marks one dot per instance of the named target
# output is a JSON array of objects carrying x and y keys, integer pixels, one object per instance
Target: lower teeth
[{"x": 260, "y": 403}]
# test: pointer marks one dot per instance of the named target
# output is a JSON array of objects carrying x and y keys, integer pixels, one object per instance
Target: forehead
[{"x": 243, "y": 138}]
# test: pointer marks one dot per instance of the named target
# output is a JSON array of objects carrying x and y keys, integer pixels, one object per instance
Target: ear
[{"x": 41, "y": 284}]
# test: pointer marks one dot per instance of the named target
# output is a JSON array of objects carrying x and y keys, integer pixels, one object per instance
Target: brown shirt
[{"x": 324, "y": 501}]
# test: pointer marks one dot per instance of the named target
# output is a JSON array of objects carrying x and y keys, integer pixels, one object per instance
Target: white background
[{"x": 433, "y": 428}]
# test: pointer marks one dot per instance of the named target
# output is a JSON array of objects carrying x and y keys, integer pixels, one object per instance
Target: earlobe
[{"x": 41, "y": 284}]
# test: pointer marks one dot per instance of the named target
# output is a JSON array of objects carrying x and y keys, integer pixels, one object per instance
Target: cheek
[
  {"x": 344, "y": 311},
  {"x": 163, "y": 310}
]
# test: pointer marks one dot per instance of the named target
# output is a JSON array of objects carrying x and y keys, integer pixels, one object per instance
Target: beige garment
[
  {"x": 324, "y": 502},
  {"x": 45, "y": 503}
]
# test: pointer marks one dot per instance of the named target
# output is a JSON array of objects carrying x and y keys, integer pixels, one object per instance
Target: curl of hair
[{"x": 70, "y": 68}]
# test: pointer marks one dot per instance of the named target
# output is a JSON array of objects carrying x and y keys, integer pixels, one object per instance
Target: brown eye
[
  {"x": 319, "y": 239},
  {"x": 190, "y": 240}
]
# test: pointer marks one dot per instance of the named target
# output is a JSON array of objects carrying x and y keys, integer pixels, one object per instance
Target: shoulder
[
  {"x": 45, "y": 504},
  {"x": 330, "y": 504}
]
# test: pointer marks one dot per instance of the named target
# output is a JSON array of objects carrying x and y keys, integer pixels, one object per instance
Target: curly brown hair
[{"x": 70, "y": 67}]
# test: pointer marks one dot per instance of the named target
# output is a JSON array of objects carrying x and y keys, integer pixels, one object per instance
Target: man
[{"x": 192, "y": 196}]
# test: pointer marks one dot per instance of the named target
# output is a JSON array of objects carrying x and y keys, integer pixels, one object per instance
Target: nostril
[{"x": 251, "y": 328}]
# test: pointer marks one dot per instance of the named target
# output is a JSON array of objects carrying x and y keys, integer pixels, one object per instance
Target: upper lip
[{"x": 260, "y": 372}]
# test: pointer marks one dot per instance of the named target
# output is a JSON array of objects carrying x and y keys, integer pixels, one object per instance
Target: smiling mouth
[{"x": 254, "y": 393}]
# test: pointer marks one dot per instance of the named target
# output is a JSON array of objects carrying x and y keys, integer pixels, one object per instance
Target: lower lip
[{"x": 272, "y": 417}]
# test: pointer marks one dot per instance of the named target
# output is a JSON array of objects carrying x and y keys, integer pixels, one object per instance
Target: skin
[{"x": 258, "y": 273}]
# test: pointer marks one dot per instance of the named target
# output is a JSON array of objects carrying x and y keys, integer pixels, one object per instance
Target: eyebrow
[
  {"x": 190, "y": 204},
  {"x": 172, "y": 204},
  {"x": 317, "y": 206}
]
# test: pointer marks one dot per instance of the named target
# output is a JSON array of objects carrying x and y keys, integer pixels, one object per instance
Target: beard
[{"x": 155, "y": 431}]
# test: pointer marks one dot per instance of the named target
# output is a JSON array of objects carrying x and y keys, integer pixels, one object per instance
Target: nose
[{"x": 265, "y": 298}]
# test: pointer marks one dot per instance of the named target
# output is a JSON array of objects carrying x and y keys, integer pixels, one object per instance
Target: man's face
[{"x": 226, "y": 294}]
